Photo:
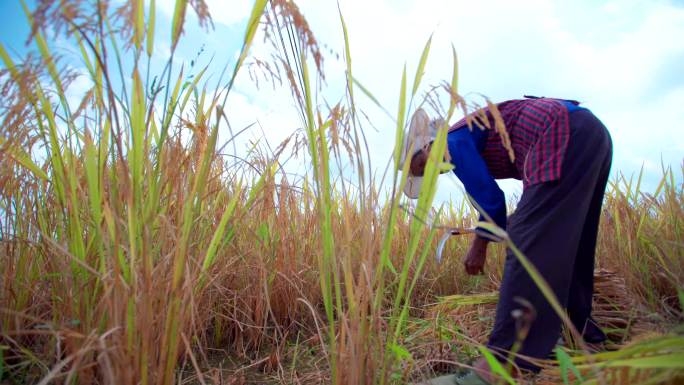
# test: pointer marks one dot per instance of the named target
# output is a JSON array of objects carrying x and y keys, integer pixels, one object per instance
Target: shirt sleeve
[{"x": 471, "y": 169}]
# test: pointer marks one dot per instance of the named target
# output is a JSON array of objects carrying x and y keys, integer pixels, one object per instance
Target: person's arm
[
  {"x": 471, "y": 169},
  {"x": 464, "y": 149}
]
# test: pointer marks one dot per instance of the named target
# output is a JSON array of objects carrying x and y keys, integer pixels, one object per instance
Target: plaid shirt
[{"x": 539, "y": 133}]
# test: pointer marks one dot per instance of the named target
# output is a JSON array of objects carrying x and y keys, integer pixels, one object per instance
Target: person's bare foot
[{"x": 481, "y": 367}]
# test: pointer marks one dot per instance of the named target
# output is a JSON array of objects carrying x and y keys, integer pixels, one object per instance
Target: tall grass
[{"x": 134, "y": 252}]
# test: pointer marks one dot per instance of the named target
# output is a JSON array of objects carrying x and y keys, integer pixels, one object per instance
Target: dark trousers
[{"x": 555, "y": 226}]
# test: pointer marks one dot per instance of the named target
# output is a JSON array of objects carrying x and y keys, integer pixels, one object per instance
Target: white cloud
[
  {"x": 78, "y": 88},
  {"x": 229, "y": 12},
  {"x": 226, "y": 12},
  {"x": 609, "y": 55}
]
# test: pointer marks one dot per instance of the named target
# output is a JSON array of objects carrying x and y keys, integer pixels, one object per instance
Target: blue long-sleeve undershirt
[{"x": 465, "y": 147}]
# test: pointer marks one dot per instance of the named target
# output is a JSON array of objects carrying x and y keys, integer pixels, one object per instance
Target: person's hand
[{"x": 474, "y": 260}]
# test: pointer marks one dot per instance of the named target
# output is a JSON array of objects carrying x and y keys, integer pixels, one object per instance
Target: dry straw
[{"x": 136, "y": 250}]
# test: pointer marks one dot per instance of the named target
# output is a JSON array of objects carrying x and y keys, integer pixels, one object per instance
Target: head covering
[{"x": 421, "y": 133}]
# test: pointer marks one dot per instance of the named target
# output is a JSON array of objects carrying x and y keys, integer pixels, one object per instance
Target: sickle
[{"x": 450, "y": 232}]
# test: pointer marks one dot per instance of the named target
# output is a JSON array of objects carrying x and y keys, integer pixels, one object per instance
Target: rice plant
[{"x": 135, "y": 252}]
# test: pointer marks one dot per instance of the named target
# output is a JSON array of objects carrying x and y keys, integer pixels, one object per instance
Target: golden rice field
[{"x": 132, "y": 251}]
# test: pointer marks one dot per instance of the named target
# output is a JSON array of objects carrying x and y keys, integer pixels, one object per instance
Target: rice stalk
[{"x": 135, "y": 251}]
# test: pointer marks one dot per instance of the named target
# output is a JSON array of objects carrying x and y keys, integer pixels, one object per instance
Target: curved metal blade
[
  {"x": 440, "y": 246},
  {"x": 451, "y": 231}
]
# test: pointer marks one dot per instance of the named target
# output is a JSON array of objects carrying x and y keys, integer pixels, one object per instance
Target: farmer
[{"x": 562, "y": 153}]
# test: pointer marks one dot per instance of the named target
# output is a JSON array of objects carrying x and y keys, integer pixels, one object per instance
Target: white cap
[{"x": 421, "y": 133}]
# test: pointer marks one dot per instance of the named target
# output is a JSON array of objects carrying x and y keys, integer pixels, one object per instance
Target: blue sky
[{"x": 623, "y": 59}]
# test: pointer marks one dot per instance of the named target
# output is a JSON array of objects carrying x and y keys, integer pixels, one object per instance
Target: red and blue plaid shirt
[{"x": 539, "y": 133}]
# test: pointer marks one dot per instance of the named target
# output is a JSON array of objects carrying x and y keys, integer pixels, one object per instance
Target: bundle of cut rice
[{"x": 614, "y": 310}]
